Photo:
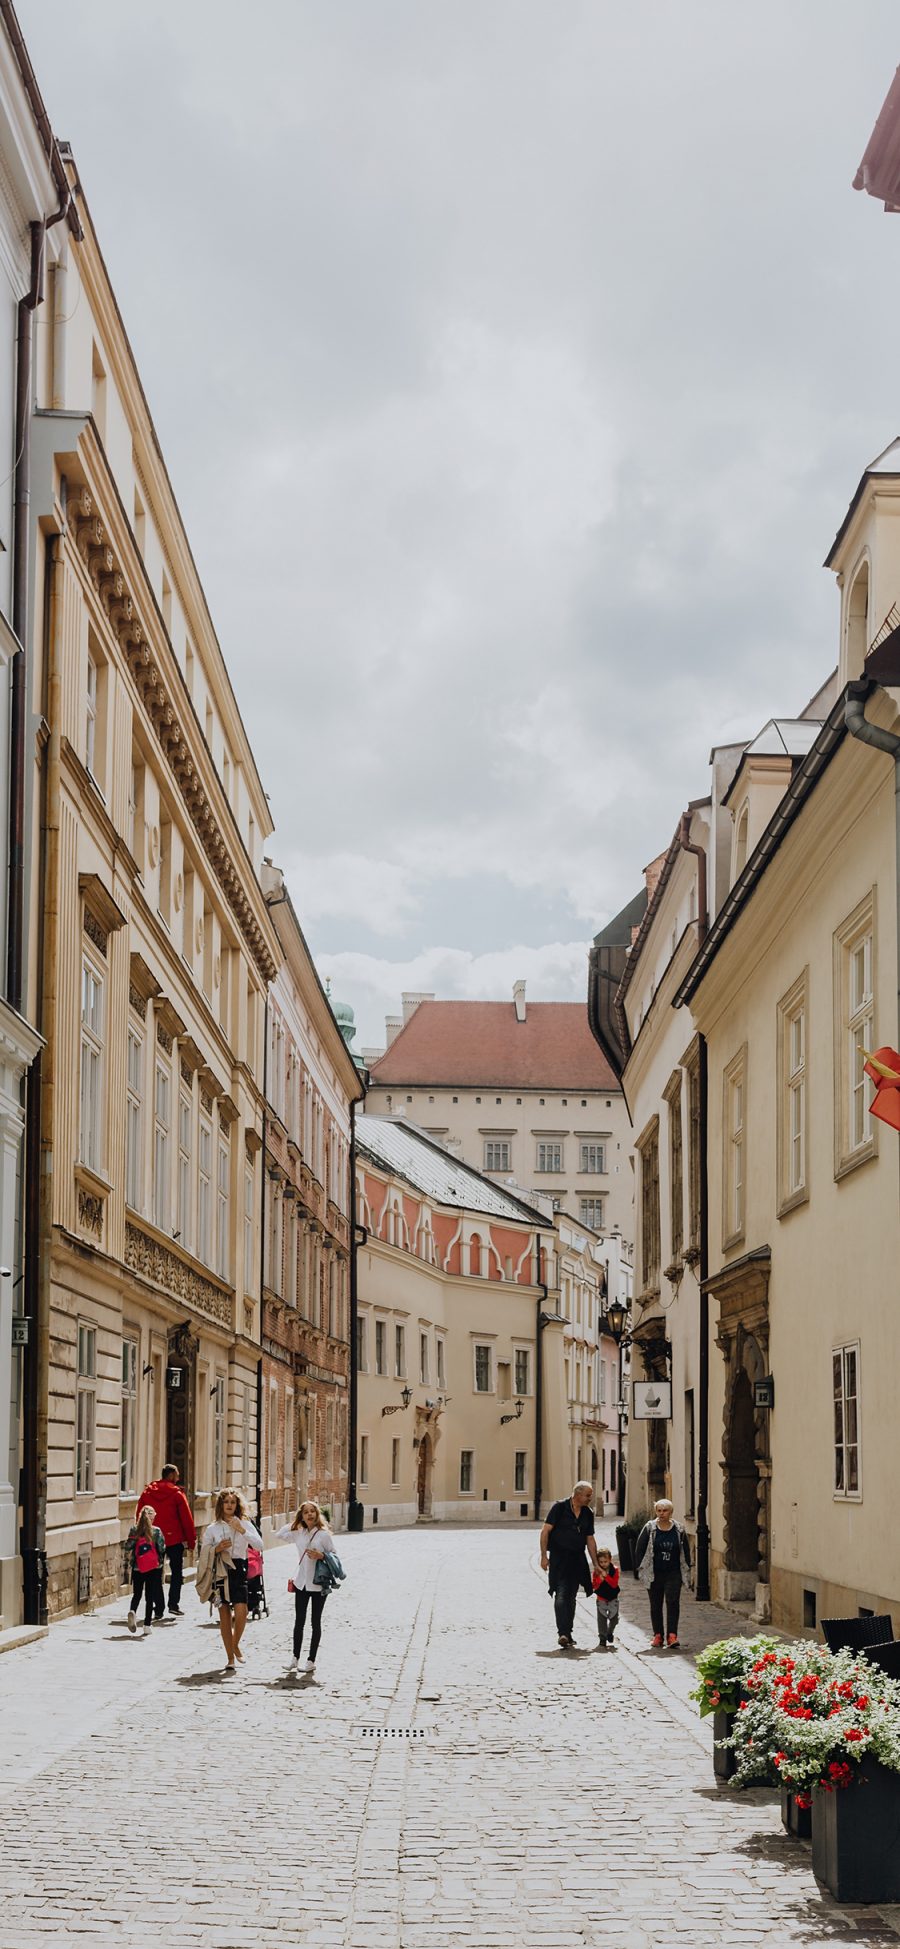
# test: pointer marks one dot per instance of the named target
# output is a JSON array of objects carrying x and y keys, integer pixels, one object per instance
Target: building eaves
[
  {"x": 490, "y": 1202},
  {"x": 873, "y": 471},
  {"x": 802, "y": 785},
  {"x": 653, "y": 907},
  {"x": 41, "y": 118}
]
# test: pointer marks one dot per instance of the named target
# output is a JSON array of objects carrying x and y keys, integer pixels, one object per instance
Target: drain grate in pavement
[{"x": 392, "y": 1732}]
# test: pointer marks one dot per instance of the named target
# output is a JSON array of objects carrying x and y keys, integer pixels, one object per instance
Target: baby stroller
[{"x": 256, "y": 1587}]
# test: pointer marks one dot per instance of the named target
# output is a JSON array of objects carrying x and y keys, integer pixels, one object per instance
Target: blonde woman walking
[
  {"x": 311, "y": 1538},
  {"x": 229, "y": 1536},
  {"x": 147, "y": 1548}
]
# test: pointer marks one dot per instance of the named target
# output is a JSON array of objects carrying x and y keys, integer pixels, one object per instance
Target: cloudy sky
[{"x": 514, "y": 362}]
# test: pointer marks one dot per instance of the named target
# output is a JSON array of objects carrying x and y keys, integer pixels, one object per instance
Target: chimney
[
  {"x": 519, "y": 999},
  {"x": 411, "y": 1001},
  {"x": 392, "y": 1026}
]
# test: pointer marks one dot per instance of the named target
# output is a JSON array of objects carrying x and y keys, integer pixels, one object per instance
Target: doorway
[{"x": 424, "y": 1475}]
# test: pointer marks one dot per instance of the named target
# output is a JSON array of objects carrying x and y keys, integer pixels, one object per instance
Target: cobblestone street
[{"x": 550, "y": 1800}]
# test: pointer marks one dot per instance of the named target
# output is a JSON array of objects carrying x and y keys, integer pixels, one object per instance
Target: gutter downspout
[
  {"x": 355, "y": 1510},
  {"x": 701, "y": 1578},
  {"x": 262, "y": 1264},
  {"x": 539, "y": 1383},
  {"x": 858, "y": 725}
]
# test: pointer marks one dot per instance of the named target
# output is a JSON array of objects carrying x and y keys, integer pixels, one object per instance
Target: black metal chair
[
  {"x": 887, "y": 1656},
  {"x": 856, "y": 1633}
]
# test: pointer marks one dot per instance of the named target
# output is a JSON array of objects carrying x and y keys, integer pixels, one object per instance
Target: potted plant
[
  {"x": 829, "y": 1725},
  {"x": 627, "y": 1534},
  {"x": 722, "y": 1670}
]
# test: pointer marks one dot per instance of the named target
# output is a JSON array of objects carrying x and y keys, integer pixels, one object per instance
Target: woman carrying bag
[
  {"x": 312, "y": 1540},
  {"x": 229, "y": 1536}
]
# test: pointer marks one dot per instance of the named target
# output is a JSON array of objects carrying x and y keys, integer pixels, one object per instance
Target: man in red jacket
[{"x": 173, "y": 1517}]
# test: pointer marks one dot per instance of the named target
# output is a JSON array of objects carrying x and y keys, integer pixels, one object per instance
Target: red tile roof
[{"x": 475, "y": 1044}]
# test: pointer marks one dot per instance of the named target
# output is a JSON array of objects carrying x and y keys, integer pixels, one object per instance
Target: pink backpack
[
  {"x": 146, "y": 1555},
  {"x": 254, "y": 1561}
]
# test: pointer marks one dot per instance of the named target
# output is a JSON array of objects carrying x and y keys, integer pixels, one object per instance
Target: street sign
[
  {"x": 20, "y": 1332},
  {"x": 764, "y": 1392},
  {"x": 652, "y": 1400}
]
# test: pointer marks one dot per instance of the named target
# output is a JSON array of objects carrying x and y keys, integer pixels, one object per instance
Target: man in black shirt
[
  {"x": 658, "y": 1555},
  {"x": 567, "y": 1532}
]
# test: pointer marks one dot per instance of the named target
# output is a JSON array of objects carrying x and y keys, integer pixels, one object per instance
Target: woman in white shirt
[
  {"x": 311, "y": 1538},
  {"x": 230, "y": 1535}
]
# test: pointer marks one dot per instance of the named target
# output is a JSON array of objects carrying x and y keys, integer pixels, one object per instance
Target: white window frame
[
  {"x": 162, "y": 1130},
  {"x": 522, "y": 1354},
  {"x": 855, "y": 955},
  {"x": 842, "y": 1443},
  {"x": 399, "y": 1350},
  {"x": 93, "y": 1063},
  {"x": 734, "y": 1130},
  {"x": 204, "y": 1191},
  {"x": 550, "y": 1156},
  {"x": 592, "y": 1152},
  {"x": 363, "y": 1460},
  {"x": 395, "y": 1461},
  {"x": 90, "y": 713},
  {"x": 272, "y": 1434},
  {"x": 483, "y": 1346},
  {"x": 440, "y": 1362},
  {"x": 467, "y": 1464},
  {"x": 381, "y": 1361},
  {"x": 223, "y": 1205},
  {"x": 520, "y": 1475},
  {"x": 220, "y": 1451},
  {"x": 289, "y": 1443},
  {"x": 134, "y": 1120},
  {"x": 497, "y": 1154},
  {"x": 424, "y": 1362},
  {"x": 85, "y": 1407},
  {"x": 128, "y": 1428},
  {"x": 793, "y": 1096},
  {"x": 249, "y": 1231},
  {"x": 185, "y": 1168},
  {"x": 588, "y": 1212},
  {"x": 362, "y": 1344},
  {"x": 245, "y": 1434}
]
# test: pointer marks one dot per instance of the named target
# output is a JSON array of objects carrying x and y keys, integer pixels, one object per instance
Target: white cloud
[{"x": 555, "y": 972}]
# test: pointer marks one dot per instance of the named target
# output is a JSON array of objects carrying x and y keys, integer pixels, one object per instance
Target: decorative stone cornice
[
  {"x": 99, "y": 902},
  {"x": 113, "y": 593},
  {"x": 165, "y": 1267}
]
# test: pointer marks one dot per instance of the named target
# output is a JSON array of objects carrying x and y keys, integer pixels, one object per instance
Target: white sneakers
[
  {"x": 310, "y": 1667},
  {"x": 293, "y": 1668}
]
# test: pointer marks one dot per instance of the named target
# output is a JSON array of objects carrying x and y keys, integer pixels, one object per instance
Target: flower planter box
[
  {"x": 724, "y": 1760},
  {"x": 797, "y": 1820},
  {"x": 856, "y": 1836}
]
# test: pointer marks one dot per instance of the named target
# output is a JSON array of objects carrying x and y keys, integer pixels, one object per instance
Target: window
[
  {"x": 591, "y": 1211},
  {"x": 861, "y": 1014},
  {"x": 164, "y": 878},
  {"x": 676, "y": 1169},
  {"x": 161, "y": 1147},
  {"x": 245, "y": 1432},
  {"x": 845, "y": 1375},
  {"x": 219, "y": 1459},
  {"x": 223, "y": 1199},
  {"x": 593, "y": 1159},
  {"x": 522, "y": 1371},
  {"x": 483, "y": 1375},
  {"x": 380, "y": 1347},
  {"x": 85, "y": 1409},
  {"x": 439, "y": 1351},
  {"x": 399, "y": 1351},
  {"x": 204, "y": 1192},
  {"x": 497, "y": 1154},
  {"x": 90, "y": 715},
  {"x": 740, "y": 842},
  {"x": 423, "y": 1358},
  {"x": 133, "y": 1120},
  {"x": 92, "y": 1034},
  {"x": 792, "y": 1097},
  {"x": 289, "y": 1436},
  {"x": 128, "y": 1434},
  {"x": 395, "y": 1463},
  {"x": 692, "y": 1071},
  {"x": 735, "y": 1112},
  {"x": 363, "y": 1459},
  {"x": 249, "y": 1241},
  {"x": 361, "y": 1364},
  {"x": 466, "y": 1471},
  {"x": 272, "y": 1430},
  {"x": 521, "y": 1478},
  {"x": 549, "y": 1157},
  {"x": 185, "y": 1123},
  {"x": 648, "y": 1154}
]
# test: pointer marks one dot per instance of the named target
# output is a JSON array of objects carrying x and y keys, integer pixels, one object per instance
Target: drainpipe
[
  {"x": 859, "y": 727},
  {"x": 19, "y": 617},
  {"x": 355, "y": 1511},
  {"x": 262, "y": 1265},
  {"x": 539, "y": 1382},
  {"x": 702, "y": 1565}
]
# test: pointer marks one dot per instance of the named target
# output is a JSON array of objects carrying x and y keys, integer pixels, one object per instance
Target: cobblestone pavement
[{"x": 552, "y": 1800}]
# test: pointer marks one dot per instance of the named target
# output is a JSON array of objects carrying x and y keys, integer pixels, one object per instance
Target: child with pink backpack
[{"x": 146, "y": 1546}]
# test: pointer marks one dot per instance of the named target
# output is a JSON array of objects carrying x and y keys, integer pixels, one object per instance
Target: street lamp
[
  {"x": 614, "y": 1322},
  {"x": 515, "y": 1416},
  {"x": 404, "y": 1401}
]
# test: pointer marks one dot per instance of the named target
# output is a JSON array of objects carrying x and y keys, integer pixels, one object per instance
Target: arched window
[
  {"x": 475, "y": 1256},
  {"x": 858, "y": 632}
]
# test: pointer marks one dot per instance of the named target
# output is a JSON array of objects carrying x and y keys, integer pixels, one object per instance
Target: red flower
[
  {"x": 862, "y": 1702},
  {"x": 777, "y": 1758},
  {"x": 803, "y": 1799},
  {"x": 852, "y": 1733},
  {"x": 743, "y": 1705}
]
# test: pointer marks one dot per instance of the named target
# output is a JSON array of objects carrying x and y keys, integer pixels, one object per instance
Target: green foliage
[{"x": 721, "y": 1670}]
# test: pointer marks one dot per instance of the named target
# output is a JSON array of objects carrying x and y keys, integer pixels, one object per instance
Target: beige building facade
[
  {"x": 591, "y": 1363},
  {"x": 518, "y": 1090},
  {"x": 311, "y": 1084},
  {"x": 156, "y": 948},
  {"x": 458, "y": 1303}
]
